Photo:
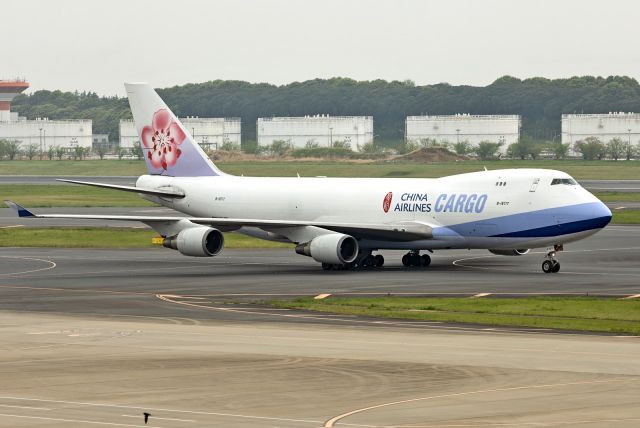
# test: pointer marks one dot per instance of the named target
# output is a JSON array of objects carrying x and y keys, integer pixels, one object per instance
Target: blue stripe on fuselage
[{"x": 534, "y": 224}]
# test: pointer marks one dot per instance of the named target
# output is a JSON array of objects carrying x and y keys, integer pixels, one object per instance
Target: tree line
[{"x": 539, "y": 101}]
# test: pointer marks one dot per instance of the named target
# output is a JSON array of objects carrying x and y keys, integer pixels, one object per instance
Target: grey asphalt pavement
[{"x": 98, "y": 337}]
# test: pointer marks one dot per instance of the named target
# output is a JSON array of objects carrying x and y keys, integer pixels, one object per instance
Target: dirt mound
[{"x": 431, "y": 154}]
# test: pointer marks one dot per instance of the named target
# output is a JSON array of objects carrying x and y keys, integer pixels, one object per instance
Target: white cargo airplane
[{"x": 339, "y": 222}]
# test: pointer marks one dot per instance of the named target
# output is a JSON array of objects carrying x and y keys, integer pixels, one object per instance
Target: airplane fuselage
[{"x": 511, "y": 208}]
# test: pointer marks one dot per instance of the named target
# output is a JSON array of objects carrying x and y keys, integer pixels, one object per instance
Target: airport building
[
  {"x": 577, "y": 127},
  {"x": 43, "y": 132},
  {"x": 452, "y": 129},
  {"x": 322, "y": 130},
  {"x": 209, "y": 132}
]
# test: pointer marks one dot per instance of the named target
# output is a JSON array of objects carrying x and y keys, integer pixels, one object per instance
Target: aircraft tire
[
  {"x": 406, "y": 260},
  {"x": 547, "y": 266},
  {"x": 425, "y": 260},
  {"x": 378, "y": 260}
]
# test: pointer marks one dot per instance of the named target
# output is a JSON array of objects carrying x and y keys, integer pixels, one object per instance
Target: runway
[{"x": 96, "y": 337}]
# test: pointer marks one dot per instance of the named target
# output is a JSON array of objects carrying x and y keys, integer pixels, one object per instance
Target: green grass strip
[
  {"x": 580, "y": 313},
  {"x": 625, "y": 217},
  {"x": 579, "y": 169},
  {"x": 107, "y": 238},
  {"x": 618, "y": 196},
  {"x": 53, "y": 195}
]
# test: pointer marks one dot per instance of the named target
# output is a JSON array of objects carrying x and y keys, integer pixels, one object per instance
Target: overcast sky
[{"x": 97, "y": 45}]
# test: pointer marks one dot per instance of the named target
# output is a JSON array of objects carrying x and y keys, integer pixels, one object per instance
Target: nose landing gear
[{"x": 550, "y": 264}]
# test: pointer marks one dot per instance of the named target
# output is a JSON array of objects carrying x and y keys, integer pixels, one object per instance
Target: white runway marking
[
  {"x": 78, "y": 421},
  {"x": 25, "y": 407},
  {"x": 152, "y": 409},
  {"x": 158, "y": 417}
]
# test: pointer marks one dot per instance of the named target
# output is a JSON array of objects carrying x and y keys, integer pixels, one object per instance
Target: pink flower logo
[
  {"x": 386, "y": 202},
  {"x": 162, "y": 139}
]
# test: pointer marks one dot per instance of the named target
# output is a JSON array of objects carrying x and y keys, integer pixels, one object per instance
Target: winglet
[{"x": 20, "y": 210}]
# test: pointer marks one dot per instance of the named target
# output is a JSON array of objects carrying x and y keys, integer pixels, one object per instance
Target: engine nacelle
[
  {"x": 520, "y": 252},
  {"x": 332, "y": 248},
  {"x": 196, "y": 242}
]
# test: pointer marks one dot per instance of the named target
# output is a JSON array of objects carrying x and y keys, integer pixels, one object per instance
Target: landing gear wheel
[
  {"x": 415, "y": 259},
  {"x": 547, "y": 266},
  {"x": 378, "y": 260},
  {"x": 425, "y": 260},
  {"x": 367, "y": 262},
  {"x": 406, "y": 260},
  {"x": 556, "y": 266}
]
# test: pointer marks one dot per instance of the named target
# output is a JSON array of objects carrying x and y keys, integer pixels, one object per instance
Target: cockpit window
[{"x": 568, "y": 181}]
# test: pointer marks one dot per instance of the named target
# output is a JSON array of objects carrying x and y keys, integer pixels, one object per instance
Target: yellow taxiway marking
[
  {"x": 634, "y": 296},
  {"x": 331, "y": 422},
  {"x": 322, "y": 296},
  {"x": 475, "y": 296}
]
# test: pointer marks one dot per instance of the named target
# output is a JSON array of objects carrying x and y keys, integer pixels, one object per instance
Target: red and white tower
[{"x": 8, "y": 91}]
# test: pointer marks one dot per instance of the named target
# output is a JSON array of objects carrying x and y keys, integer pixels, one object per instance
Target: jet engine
[
  {"x": 332, "y": 248},
  {"x": 520, "y": 252},
  {"x": 196, "y": 242}
]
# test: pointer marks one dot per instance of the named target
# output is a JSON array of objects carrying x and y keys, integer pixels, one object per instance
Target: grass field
[
  {"x": 618, "y": 196},
  {"x": 45, "y": 195},
  {"x": 586, "y": 314},
  {"x": 106, "y": 238},
  {"x": 579, "y": 169},
  {"x": 626, "y": 217}
]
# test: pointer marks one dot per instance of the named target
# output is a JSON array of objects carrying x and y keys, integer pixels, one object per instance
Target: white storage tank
[
  {"x": 47, "y": 133},
  {"x": 452, "y": 129},
  {"x": 321, "y": 130},
  {"x": 577, "y": 127}
]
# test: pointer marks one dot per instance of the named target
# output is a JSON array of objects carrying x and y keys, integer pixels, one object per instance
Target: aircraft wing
[
  {"x": 404, "y": 231},
  {"x": 167, "y": 192}
]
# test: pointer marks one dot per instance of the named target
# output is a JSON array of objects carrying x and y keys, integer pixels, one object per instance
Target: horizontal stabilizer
[
  {"x": 20, "y": 210},
  {"x": 166, "y": 193}
]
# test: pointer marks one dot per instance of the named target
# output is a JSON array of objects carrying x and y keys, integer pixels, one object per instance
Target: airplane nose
[{"x": 601, "y": 214}]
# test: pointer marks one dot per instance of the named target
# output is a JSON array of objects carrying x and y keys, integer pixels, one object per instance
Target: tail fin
[{"x": 168, "y": 147}]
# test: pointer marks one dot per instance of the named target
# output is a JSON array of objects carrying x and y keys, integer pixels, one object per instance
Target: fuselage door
[{"x": 534, "y": 185}]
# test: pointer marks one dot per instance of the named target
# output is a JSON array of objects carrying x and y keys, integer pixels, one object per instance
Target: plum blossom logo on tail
[
  {"x": 386, "y": 203},
  {"x": 162, "y": 139}
]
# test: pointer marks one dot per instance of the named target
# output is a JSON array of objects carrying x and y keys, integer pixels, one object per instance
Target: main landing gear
[
  {"x": 550, "y": 264},
  {"x": 364, "y": 261},
  {"x": 413, "y": 258}
]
